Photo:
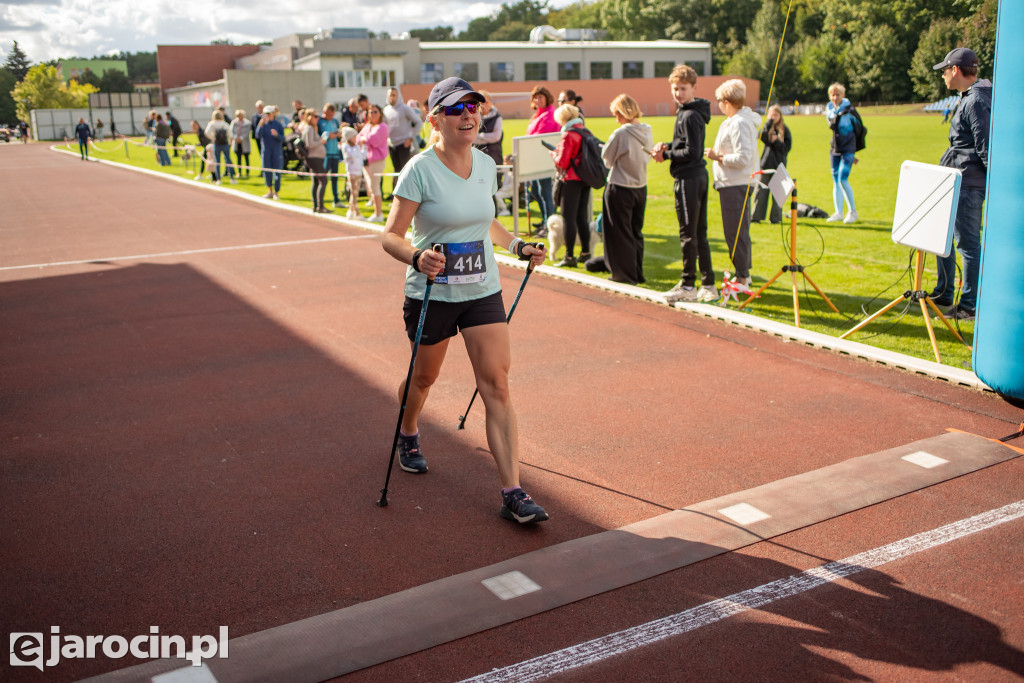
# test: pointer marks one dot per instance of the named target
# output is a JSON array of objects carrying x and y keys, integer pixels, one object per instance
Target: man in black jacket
[
  {"x": 689, "y": 169},
  {"x": 175, "y": 131},
  {"x": 968, "y": 151}
]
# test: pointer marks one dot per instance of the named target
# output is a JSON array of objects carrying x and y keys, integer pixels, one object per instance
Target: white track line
[
  {"x": 168, "y": 254},
  {"x": 709, "y": 613}
]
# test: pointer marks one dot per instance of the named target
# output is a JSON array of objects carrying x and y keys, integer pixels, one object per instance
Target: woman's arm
[
  {"x": 401, "y": 249},
  {"x": 503, "y": 238}
]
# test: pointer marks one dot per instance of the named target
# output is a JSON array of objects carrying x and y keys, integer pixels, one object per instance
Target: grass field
[{"x": 858, "y": 266}]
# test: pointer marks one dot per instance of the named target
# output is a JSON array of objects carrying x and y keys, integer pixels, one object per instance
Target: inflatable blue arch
[{"x": 999, "y": 328}]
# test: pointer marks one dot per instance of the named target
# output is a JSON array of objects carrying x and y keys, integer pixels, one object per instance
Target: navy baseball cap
[
  {"x": 960, "y": 56},
  {"x": 449, "y": 91}
]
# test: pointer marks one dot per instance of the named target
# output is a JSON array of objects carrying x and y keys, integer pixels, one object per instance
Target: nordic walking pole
[
  {"x": 508, "y": 319},
  {"x": 408, "y": 380}
]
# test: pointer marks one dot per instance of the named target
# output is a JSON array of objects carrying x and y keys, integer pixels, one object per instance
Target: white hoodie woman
[{"x": 735, "y": 163}]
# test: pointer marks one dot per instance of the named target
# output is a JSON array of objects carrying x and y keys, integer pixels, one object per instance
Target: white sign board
[
  {"x": 926, "y": 207},
  {"x": 781, "y": 185},
  {"x": 531, "y": 159}
]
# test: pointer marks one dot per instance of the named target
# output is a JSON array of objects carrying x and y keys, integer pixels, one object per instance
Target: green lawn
[{"x": 857, "y": 266}]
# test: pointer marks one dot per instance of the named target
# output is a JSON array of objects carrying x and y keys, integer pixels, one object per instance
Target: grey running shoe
[
  {"x": 409, "y": 456},
  {"x": 518, "y": 506},
  {"x": 957, "y": 313},
  {"x": 707, "y": 294},
  {"x": 688, "y": 294}
]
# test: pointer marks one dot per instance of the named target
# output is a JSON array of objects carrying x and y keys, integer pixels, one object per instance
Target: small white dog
[{"x": 556, "y": 235}]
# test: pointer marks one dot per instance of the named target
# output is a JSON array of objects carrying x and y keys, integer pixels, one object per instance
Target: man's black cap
[
  {"x": 960, "y": 56},
  {"x": 449, "y": 91}
]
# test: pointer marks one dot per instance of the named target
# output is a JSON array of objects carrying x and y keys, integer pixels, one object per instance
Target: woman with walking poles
[{"x": 466, "y": 286}]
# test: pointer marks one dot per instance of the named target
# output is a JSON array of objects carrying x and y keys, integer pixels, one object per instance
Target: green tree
[
  {"x": 723, "y": 23},
  {"x": 436, "y": 34},
  {"x": 822, "y": 63},
  {"x": 88, "y": 76},
  {"x": 43, "y": 88},
  {"x": 142, "y": 67},
  {"x": 525, "y": 12},
  {"x": 941, "y": 37},
  {"x": 115, "y": 80},
  {"x": 8, "y": 112},
  {"x": 979, "y": 34},
  {"x": 513, "y": 30},
  {"x": 17, "y": 62},
  {"x": 877, "y": 64},
  {"x": 479, "y": 29},
  {"x": 758, "y": 58},
  {"x": 632, "y": 20},
  {"x": 580, "y": 14}
]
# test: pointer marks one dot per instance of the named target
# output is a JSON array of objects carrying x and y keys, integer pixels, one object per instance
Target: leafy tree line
[
  {"x": 882, "y": 50},
  {"x": 24, "y": 87}
]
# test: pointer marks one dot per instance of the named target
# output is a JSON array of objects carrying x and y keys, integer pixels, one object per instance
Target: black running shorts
[{"x": 445, "y": 319}]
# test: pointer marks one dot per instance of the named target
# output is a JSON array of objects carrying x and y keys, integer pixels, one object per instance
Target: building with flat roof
[{"x": 336, "y": 65}]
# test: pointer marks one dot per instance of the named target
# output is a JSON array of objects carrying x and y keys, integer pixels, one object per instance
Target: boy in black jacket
[{"x": 687, "y": 166}]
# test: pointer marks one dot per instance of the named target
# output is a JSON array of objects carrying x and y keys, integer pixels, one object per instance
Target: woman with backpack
[
  {"x": 842, "y": 121},
  {"x": 219, "y": 131},
  {"x": 575, "y": 194}
]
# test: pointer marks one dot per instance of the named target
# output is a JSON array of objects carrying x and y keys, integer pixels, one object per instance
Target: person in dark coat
[
  {"x": 256, "y": 118},
  {"x": 968, "y": 151},
  {"x": 175, "y": 131},
  {"x": 778, "y": 140},
  {"x": 685, "y": 155},
  {"x": 83, "y": 133}
]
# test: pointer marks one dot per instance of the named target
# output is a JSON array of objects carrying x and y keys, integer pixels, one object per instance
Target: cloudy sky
[{"x": 47, "y": 29}]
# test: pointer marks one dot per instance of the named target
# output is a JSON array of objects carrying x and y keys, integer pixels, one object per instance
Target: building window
[
  {"x": 431, "y": 72},
  {"x": 663, "y": 69},
  {"x": 600, "y": 70},
  {"x": 503, "y": 71},
  {"x": 632, "y": 69},
  {"x": 536, "y": 71},
  {"x": 467, "y": 71},
  {"x": 697, "y": 66},
  {"x": 568, "y": 71}
]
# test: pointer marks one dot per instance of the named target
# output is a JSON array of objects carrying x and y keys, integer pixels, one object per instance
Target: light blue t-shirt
[{"x": 457, "y": 213}]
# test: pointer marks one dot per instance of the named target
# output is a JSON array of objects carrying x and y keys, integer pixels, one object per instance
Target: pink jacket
[
  {"x": 376, "y": 139},
  {"x": 543, "y": 121}
]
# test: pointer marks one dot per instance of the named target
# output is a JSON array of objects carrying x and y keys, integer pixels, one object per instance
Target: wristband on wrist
[
  {"x": 514, "y": 245},
  {"x": 521, "y": 249},
  {"x": 415, "y": 259}
]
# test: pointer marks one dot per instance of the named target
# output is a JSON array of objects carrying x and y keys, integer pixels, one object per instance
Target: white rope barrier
[{"x": 257, "y": 169}]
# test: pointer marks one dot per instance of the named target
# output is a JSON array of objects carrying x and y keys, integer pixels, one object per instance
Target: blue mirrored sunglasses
[{"x": 456, "y": 110}]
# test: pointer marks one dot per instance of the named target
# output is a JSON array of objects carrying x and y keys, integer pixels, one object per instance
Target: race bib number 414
[{"x": 465, "y": 262}]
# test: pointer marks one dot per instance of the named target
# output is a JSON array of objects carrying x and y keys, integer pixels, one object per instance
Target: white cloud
[{"x": 49, "y": 29}]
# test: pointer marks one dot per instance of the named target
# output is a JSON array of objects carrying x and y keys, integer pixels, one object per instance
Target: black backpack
[
  {"x": 220, "y": 137},
  {"x": 588, "y": 163},
  {"x": 860, "y": 131}
]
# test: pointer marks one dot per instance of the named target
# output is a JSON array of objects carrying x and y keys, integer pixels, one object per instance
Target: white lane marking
[
  {"x": 744, "y": 513},
  {"x": 511, "y": 585},
  {"x": 189, "y": 252},
  {"x": 925, "y": 460},
  {"x": 190, "y": 674},
  {"x": 709, "y": 613}
]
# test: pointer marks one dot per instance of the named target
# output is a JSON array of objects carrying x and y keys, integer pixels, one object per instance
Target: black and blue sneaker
[
  {"x": 409, "y": 456},
  {"x": 518, "y": 506}
]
